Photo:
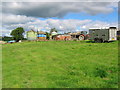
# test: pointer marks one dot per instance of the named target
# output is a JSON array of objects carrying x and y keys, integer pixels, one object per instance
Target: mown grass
[{"x": 60, "y": 64}]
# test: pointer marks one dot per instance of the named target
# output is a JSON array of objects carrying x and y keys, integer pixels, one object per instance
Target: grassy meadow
[{"x": 60, "y": 64}]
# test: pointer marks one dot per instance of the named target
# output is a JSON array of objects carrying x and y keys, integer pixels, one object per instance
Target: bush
[
  {"x": 100, "y": 72},
  {"x": 5, "y": 38}
]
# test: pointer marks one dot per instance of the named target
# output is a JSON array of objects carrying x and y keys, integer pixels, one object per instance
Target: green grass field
[{"x": 60, "y": 64}]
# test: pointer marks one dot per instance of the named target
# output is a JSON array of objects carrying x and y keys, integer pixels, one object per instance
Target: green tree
[
  {"x": 47, "y": 35},
  {"x": 0, "y": 37},
  {"x": 18, "y": 33}
]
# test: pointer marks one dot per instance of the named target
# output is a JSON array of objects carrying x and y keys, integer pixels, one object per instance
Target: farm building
[
  {"x": 31, "y": 35},
  {"x": 53, "y": 35},
  {"x": 62, "y": 37},
  {"x": 41, "y": 35},
  {"x": 69, "y": 36}
]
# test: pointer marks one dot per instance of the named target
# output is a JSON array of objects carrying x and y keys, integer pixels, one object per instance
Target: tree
[
  {"x": 6, "y": 38},
  {"x": 53, "y": 30},
  {"x": 47, "y": 35},
  {"x": 18, "y": 33},
  {"x": 0, "y": 38}
]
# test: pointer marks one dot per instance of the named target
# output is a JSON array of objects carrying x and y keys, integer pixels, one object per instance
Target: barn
[
  {"x": 41, "y": 35},
  {"x": 31, "y": 35},
  {"x": 62, "y": 37}
]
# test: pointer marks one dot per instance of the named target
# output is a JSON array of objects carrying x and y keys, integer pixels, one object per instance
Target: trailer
[
  {"x": 118, "y": 35},
  {"x": 103, "y": 35}
]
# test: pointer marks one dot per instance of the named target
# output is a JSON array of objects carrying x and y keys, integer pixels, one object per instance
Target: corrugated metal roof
[{"x": 41, "y": 32}]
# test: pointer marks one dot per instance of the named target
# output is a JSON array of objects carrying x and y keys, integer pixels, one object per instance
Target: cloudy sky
[{"x": 64, "y": 16}]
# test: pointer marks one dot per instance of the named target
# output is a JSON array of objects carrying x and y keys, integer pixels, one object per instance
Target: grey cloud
[
  {"x": 55, "y": 9},
  {"x": 13, "y": 19}
]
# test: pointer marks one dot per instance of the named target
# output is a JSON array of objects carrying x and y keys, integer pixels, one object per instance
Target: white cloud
[
  {"x": 5, "y": 31},
  {"x": 68, "y": 25}
]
